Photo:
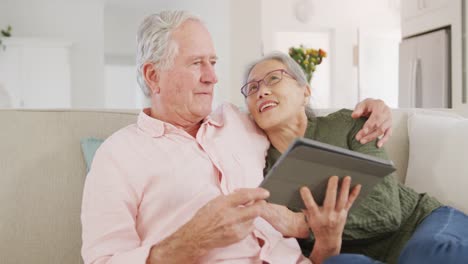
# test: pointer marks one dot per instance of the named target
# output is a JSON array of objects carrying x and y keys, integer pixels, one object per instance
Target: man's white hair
[{"x": 155, "y": 43}]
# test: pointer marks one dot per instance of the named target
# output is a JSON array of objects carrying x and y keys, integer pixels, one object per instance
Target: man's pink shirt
[{"x": 150, "y": 178}]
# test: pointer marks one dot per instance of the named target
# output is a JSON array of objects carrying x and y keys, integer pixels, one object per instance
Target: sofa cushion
[
  {"x": 89, "y": 147},
  {"x": 438, "y": 154}
]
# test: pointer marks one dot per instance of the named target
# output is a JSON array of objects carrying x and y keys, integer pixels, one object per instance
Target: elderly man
[{"x": 179, "y": 185}]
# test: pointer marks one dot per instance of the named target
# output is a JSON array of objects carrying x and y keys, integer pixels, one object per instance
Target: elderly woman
[{"x": 393, "y": 223}]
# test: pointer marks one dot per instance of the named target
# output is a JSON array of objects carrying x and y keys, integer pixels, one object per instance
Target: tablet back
[{"x": 311, "y": 163}]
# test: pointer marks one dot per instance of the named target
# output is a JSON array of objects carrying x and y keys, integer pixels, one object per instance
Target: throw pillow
[
  {"x": 438, "y": 152},
  {"x": 89, "y": 147}
]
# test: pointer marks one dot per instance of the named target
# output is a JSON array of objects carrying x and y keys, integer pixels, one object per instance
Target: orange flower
[{"x": 322, "y": 53}]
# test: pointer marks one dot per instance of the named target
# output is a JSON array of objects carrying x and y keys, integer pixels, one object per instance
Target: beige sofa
[{"x": 42, "y": 172}]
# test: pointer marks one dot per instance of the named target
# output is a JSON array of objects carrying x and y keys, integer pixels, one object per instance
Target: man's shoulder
[
  {"x": 239, "y": 123},
  {"x": 229, "y": 109},
  {"x": 231, "y": 112},
  {"x": 119, "y": 138}
]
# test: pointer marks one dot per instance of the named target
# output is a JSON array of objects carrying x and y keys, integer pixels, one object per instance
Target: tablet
[{"x": 311, "y": 163}]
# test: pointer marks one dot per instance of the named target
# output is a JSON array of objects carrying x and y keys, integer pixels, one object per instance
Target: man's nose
[{"x": 209, "y": 74}]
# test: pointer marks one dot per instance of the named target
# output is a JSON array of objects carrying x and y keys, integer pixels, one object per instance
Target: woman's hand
[{"x": 327, "y": 222}]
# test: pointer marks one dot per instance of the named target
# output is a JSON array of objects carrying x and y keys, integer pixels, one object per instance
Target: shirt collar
[
  {"x": 216, "y": 118},
  {"x": 154, "y": 127},
  {"x": 157, "y": 128}
]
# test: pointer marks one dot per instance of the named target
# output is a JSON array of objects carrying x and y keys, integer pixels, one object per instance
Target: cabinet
[
  {"x": 425, "y": 16},
  {"x": 415, "y": 8},
  {"x": 35, "y": 73}
]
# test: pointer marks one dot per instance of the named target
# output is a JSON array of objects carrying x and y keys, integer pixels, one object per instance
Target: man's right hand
[{"x": 225, "y": 220}]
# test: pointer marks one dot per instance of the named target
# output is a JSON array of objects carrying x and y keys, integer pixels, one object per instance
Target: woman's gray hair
[
  {"x": 155, "y": 43},
  {"x": 291, "y": 66}
]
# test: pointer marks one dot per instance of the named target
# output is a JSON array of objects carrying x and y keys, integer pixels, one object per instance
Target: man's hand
[
  {"x": 225, "y": 220},
  {"x": 285, "y": 221},
  {"x": 379, "y": 121}
]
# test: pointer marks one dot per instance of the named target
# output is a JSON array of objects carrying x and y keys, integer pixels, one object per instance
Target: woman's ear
[
  {"x": 307, "y": 94},
  {"x": 151, "y": 75},
  {"x": 307, "y": 91}
]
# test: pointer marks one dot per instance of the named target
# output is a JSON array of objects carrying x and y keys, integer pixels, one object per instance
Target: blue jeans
[
  {"x": 350, "y": 259},
  {"x": 441, "y": 238}
]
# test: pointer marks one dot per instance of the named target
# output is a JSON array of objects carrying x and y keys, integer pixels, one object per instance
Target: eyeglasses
[{"x": 269, "y": 80}]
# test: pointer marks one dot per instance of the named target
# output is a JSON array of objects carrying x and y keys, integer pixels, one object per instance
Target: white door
[
  {"x": 36, "y": 73},
  {"x": 11, "y": 76},
  {"x": 47, "y": 78}
]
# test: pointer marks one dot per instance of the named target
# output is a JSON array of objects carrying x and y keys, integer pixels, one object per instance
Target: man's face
[{"x": 186, "y": 89}]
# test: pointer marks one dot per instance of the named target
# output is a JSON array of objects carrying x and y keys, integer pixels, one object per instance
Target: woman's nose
[{"x": 263, "y": 90}]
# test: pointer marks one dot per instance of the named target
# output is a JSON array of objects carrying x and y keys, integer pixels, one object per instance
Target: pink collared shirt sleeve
[{"x": 108, "y": 215}]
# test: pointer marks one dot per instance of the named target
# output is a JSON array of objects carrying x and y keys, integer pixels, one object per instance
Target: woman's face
[{"x": 277, "y": 104}]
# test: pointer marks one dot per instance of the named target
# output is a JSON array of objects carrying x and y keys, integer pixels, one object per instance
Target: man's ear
[{"x": 151, "y": 75}]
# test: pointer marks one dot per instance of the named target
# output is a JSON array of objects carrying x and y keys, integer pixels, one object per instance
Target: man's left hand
[{"x": 379, "y": 121}]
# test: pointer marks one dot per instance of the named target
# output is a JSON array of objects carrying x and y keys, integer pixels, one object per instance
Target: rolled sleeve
[{"x": 138, "y": 255}]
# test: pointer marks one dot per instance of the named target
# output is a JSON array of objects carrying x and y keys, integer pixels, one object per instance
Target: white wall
[
  {"x": 246, "y": 42},
  {"x": 121, "y": 20},
  {"x": 120, "y": 26},
  {"x": 379, "y": 65},
  {"x": 80, "y": 22},
  {"x": 342, "y": 18},
  {"x": 241, "y": 29}
]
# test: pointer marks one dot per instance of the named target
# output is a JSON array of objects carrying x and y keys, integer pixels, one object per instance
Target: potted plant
[
  {"x": 307, "y": 58},
  {"x": 5, "y": 33}
]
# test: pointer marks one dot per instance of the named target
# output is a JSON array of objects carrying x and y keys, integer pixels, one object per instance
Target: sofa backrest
[{"x": 42, "y": 172}]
